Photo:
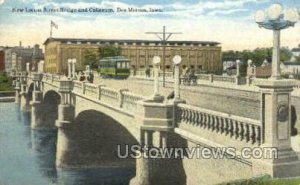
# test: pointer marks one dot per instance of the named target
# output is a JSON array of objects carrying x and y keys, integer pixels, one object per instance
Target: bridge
[{"x": 92, "y": 119}]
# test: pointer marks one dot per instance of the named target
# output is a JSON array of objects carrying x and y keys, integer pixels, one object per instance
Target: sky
[{"x": 230, "y": 22}]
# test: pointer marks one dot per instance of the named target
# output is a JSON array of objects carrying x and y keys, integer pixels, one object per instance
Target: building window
[{"x": 200, "y": 67}]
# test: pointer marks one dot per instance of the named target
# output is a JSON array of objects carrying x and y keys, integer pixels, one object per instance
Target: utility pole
[{"x": 164, "y": 39}]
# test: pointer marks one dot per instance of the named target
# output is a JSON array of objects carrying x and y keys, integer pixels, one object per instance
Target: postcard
[{"x": 123, "y": 92}]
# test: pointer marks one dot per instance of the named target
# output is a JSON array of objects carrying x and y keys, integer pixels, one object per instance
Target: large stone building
[
  {"x": 17, "y": 57},
  {"x": 200, "y": 55}
]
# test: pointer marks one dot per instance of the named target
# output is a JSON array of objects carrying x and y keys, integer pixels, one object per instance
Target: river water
[{"x": 27, "y": 157}]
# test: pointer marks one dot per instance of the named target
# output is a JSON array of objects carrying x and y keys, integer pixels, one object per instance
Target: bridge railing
[
  {"x": 216, "y": 78},
  {"x": 239, "y": 128},
  {"x": 90, "y": 90},
  {"x": 130, "y": 100},
  {"x": 110, "y": 96}
]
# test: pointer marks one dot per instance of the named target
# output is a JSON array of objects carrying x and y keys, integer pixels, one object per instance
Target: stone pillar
[
  {"x": 18, "y": 90},
  {"x": 36, "y": 103},
  {"x": 276, "y": 129},
  {"x": 23, "y": 93},
  {"x": 66, "y": 113},
  {"x": 121, "y": 97},
  {"x": 158, "y": 169},
  {"x": 276, "y": 55}
]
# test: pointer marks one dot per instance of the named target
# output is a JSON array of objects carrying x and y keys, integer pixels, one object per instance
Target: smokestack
[{"x": 20, "y": 43}]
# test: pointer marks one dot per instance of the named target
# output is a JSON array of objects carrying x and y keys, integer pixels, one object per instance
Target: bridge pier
[
  {"x": 154, "y": 168},
  {"x": 276, "y": 122},
  {"x": 25, "y": 107},
  {"x": 36, "y": 103},
  {"x": 18, "y": 89},
  {"x": 66, "y": 113}
]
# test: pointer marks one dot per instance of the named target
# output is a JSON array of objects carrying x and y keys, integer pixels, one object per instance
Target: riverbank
[{"x": 7, "y": 96}]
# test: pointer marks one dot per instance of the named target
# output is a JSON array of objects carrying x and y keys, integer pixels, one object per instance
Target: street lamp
[
  {"x": 156, "y": 62},
  {"x": 274, "y": 19},
  {"x": 42, "y": 66},
  {"x": 73, "y": 68},
  {"x": 27, "y": 67},
  {"x": 176, "y": 61},
  {"x": 69, "y": 67}
]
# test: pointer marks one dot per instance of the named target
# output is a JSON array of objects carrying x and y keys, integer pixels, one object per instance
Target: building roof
[{"x": 129, "y": 42}]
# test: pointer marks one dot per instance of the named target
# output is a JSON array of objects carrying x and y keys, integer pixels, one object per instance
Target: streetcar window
[{"x": 118, "y": 64}]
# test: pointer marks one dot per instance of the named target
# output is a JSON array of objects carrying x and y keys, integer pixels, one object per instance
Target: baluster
[
  {"x": 208, "y": 121},
  {"x": 258, "y": 135},
  {"x": 205, "y": 120},
  {"x": 251, "y": 133},
  {"x": 185, "y": 115},
  {"x": 223, "y": 125},
  {"x": 241, "y": 130},
  {"x": 201, "y": 119},
  {"x": 246, "y": 132},
  {"x": 226, "y": 126},
  {"x": 232, "y": 125},
  {"x": 237, "y": 129},
  {"x": 216, "y": 123},
  {"x": 195, "y": 118}
]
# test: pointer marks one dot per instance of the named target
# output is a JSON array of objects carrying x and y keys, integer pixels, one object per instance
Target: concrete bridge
[{"x": 93, "y": 119}]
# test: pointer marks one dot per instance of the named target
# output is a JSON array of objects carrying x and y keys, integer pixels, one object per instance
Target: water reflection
[
  {"x": 43, "y": 143},
  {"x": 27, "y": 156}
]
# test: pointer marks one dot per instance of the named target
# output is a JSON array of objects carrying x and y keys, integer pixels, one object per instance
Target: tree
[
  {"x": 257, "y": 56},
  {"x": 297, "y": 59},
  {"x": 109, "y": 51},
  {"x": 91, "y": 59}
]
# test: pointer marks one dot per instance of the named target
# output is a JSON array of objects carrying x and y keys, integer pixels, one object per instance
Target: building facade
[
  {"x": 2, "y": 59},
  {"x": 17, "y": 57},
  {"x": 296, "y": 53},
  {"x": 199, "y": 55}
]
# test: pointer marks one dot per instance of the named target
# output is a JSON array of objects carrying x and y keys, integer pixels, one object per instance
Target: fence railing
[
  {"x": 130, "y": 100},
  {"x": 239, "y": 128}
]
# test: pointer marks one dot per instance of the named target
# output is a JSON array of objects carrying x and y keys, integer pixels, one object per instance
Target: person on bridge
[
  {"x": 81, "y": 76},
  {"x": 90, "y": 78}
]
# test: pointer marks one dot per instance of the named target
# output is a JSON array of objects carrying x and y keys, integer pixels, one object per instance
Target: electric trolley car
[{"x": 114, "y": 67}]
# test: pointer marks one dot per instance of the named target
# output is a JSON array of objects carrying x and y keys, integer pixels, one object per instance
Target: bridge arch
[
  {"x": 94, "y": 139},
  {"x": 49, "y": 108},
  {"x": 29, "y": 93}
]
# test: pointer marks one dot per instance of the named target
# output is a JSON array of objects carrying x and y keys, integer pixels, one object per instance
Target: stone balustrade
[
  {"x": 130, "y": 100},
  {"x": 239, "y": 128},
  {"x": 216, "y": 78}
]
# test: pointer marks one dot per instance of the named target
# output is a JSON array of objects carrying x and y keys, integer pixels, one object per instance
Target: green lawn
[{"x": 265, "y": 181}]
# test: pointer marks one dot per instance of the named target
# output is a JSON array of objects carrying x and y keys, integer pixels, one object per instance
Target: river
[{"x": 27, "y": 157}]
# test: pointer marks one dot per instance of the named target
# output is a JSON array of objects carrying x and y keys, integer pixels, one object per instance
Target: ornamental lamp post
[
  {"x": 274, "y": 19},
  {"x": 73, "y": 68},
  {"x": 42, "y": 66},
  {"x": 156, "y": 62},
  {"x": 69, "y": 67},
  {"x": 27, "y": 67},
  {"x": 176, "y": 61}
]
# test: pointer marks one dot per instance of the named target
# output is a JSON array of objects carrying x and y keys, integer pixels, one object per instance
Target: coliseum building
[{"x": 200, "y": 55}]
